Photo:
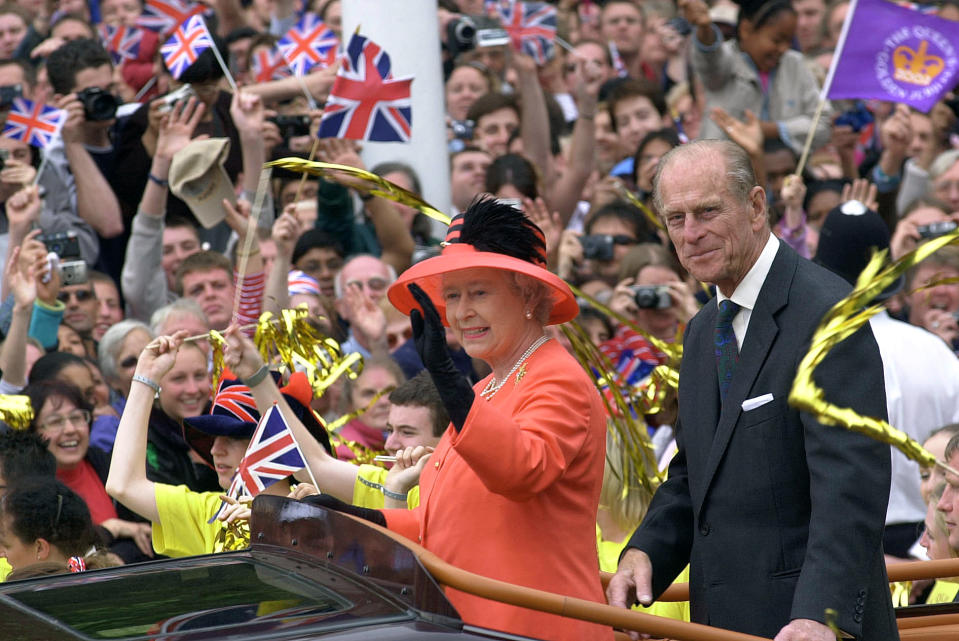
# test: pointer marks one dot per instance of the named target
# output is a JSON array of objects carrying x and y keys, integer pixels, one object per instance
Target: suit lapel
[{"x": 760, "y": 335}]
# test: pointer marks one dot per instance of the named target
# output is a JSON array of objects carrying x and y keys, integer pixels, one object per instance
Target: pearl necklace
[{"x": 492, "y": 387}]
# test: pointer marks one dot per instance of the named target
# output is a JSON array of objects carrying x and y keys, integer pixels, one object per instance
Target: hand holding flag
[
  {"x": 531, "y": 27},
  {"x": 121, "y": 41}
]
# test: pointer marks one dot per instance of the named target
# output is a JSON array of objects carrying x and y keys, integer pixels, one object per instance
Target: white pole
[{"x": 409, "y": 31}]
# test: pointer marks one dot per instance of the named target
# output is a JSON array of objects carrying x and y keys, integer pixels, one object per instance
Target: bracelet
[
  {"x": 257, "y": 377},
  {"x": 159, "y": 181},
  {"x": 394, "y": 495},
  {"x": 146, "y": 381}
]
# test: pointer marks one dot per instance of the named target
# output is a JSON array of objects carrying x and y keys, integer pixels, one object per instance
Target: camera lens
[
  {"x": 465, "y": 32},
  {"x": 98, "y": 105},
  {"x": 646, "y": 298}
]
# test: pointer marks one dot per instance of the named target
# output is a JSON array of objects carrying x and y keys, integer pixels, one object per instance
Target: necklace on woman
[{"x": 492, "y": 387}]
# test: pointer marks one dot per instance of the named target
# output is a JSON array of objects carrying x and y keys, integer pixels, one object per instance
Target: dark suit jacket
[{"x": 779, "y": 516}]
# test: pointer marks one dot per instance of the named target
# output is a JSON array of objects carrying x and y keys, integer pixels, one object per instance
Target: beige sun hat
[{"x": 197, "y": 177}]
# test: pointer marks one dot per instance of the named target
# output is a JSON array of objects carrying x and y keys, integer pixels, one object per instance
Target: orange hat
[{"x": 493, "y": 235}]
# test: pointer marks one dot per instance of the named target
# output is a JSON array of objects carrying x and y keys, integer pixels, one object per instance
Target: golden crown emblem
[{"x": 916, "y": 67}]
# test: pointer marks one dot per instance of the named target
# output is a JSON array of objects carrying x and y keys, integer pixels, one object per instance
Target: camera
[
  {"x": 63, "y": 244},
  {"x": 169, "y": 101},
  {"x": 933, "y": 230},
  {"x": 64, "y": 256},
  {"x": 469, "y": 32},
  {"x": 515, "y": 203},
  {"x": 98, "y": 104},
  {"x": 652, "y": 296},
  {"x": 8, "y": 94},
  {"x": 597, "y": 247},
  {"x": 462, "y": 129},
  {"x": 292, "y": 126}
]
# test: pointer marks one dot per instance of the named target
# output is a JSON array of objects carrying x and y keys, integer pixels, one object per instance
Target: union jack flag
[
  {"x": 272, "y": 454},
  {"x": 185, "y": 45},
  {"x": 268, "y": 64},
  {"x": 531, "y": 27},
  {"x": 163, "y": 16},
  {"x": 121, "y": 41},
  {"x": 34, "y": 123},
  {"x": 367, "y": 102},
  {"x": 308, "y": 44}
]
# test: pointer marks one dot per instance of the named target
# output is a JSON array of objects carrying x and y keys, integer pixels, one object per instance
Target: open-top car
[{"x": 315, "y": 574}]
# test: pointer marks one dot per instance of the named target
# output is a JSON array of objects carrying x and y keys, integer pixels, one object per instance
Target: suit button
[
  {"x": 857, "y": 618},
  {"x": 704, "y": 529}
]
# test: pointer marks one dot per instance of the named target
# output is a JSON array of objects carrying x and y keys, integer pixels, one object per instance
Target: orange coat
[{"x": 513, "y": 496}]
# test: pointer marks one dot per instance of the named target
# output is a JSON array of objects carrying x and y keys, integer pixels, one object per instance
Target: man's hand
[
  {"x": 895, "y": 133},
  {"x": 175, "y": 129},
  {"x": 72, "y": 130},
  {"x": 23, "y": 209},
  {"x": 16, "y": 172},
  {"x": 406, "y": 471},
  {"x": 863, "y": 191},
  {"x": 366, "y": 318},
  {"x": 632, "y": 582},
  {"x": 285, "y": 232},
  {"x": 248, "y": 115},
  {"x": 805, "y": 630}
]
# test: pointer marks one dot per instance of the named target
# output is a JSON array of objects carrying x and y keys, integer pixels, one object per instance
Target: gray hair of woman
[{"x": 109, "y": 349}]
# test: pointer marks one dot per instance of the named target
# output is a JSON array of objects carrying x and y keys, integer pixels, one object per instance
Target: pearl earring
[{"x": 529, "y": 314}]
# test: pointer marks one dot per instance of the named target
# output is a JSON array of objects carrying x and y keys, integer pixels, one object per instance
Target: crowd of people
[{"x": 651, "y": 162}]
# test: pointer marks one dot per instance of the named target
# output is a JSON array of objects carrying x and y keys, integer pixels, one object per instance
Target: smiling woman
[{"x": 62, "y": 419}]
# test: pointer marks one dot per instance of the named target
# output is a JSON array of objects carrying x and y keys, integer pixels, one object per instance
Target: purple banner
[{"x": 897, "y": 54}]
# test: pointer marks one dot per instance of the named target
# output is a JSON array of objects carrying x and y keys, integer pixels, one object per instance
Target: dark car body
[{"x": 309, "y": 574}]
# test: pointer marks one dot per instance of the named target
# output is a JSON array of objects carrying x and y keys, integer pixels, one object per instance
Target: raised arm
[
  {"x": 334, "y": 477},
  {"x": 143, "y": 280},
  {"x": 534, "y": 120},
  {"x": 128, "y": 481},
  {"x": 285, "y": 232}
]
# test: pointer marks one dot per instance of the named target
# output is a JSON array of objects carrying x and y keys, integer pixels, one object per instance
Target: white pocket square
[{"x": 759, "y": 401}]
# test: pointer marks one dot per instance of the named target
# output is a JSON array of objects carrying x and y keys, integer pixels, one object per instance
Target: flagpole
[
  {"x": 250, "y": 234},
  {"x": 43, "y": 165},
  {"x": 226, "y": 70},
  {"x": 826, "y": 86}
]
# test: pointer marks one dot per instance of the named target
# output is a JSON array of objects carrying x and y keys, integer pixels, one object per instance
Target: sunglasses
[
  {"x": 82, "y": 295},
  {"x": 128, "y": 362}
]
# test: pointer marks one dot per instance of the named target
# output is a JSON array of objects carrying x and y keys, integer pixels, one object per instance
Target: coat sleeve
[
  {"x": 666, "y": 532},
  {"x": 522, "y": 454},
  {"x": 795, "y": 129},
  {"x": 849, "y": 476},
  {"x": 143, "y": 278},
  {"x": 714, "y": 64}
]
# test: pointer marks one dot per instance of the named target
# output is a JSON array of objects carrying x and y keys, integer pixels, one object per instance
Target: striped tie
[{"x": 727, "y": 351}]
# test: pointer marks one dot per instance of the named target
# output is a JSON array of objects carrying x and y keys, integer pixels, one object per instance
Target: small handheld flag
[
  {"x": 531, "y": 27},
  {"x": 121, "y": 41},
  {"x": 367, "y": 102},
  {"x": 272, "y": 454},
  {"x": 185, "y": 45},
  {"x": 163, "y": 16},
  {"x": 307, "y": 44},
  {"x": 34, "y": 123}
]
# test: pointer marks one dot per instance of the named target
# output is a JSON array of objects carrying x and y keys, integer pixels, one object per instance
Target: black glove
[
  {"x": 430, "y": 340},
  {"x": 333, "y": 503}
]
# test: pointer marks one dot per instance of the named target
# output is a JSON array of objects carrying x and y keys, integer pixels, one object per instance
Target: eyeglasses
[
  {"x": 57, "y": 422},
  {"x": 82, "y": 295},
  {"x": 622, "y": 239},
  {"x": 395, "y": 339},
  {"x": 375, "y": 284}
]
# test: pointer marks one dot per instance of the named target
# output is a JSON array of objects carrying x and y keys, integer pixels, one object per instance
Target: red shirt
[{"x": 84, "y": 481}]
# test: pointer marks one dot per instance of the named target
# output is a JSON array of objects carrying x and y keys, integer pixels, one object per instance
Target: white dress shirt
[{"x": 747, "y": 292}]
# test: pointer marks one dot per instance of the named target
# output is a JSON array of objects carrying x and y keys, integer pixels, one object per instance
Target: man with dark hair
[
  {"x": 778, "y": 515},
  {"x": 416, "y": 422},
  {"x": 636, "y": 107},
  {"x": 321, "y": 256},
  {"x": 207, "y": 278},
  {"x": 625, "y": 227},
  {"x": 81, "y": 74},
  {"x": 496, "y": 117}
]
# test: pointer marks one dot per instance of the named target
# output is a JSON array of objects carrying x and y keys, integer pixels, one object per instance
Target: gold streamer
[
  {"x": 377, "y": 186},
  {"x": 636, "y": 448},
  {"x": 361, "y": 454},
  {"x": 296, "y": 342},
  {"x": 839, "y": 323},
  {"x": 636, "y": 202},
  {"x": 16, "y": 411},
  {"x": 216, "y": 343},
  {"x": 673, "y": 351}
]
